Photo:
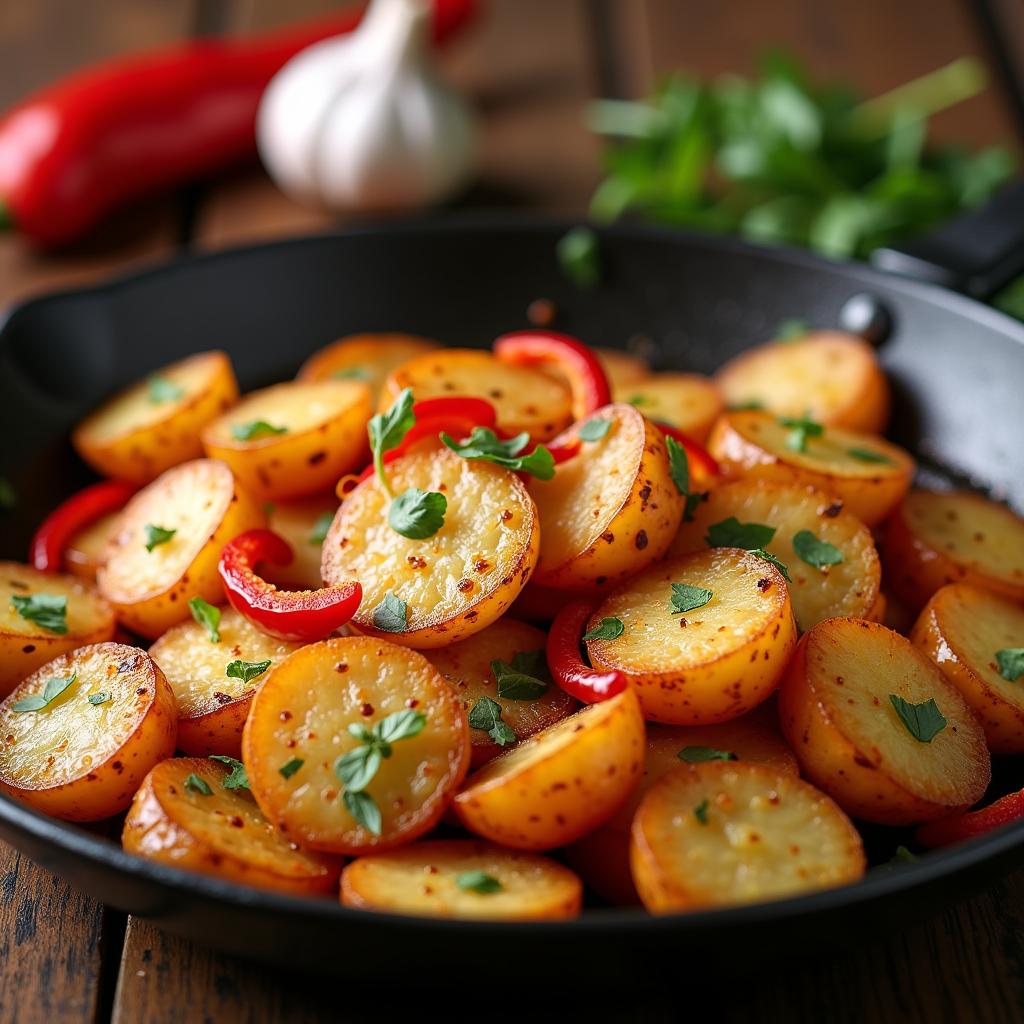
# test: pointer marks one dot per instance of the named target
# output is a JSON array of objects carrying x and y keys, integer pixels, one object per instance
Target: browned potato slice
[
  {"x": 83, "y": 753},
  {"x": 467, "y": 667},
  {"x": 294, "y": 439},
  {"x": 708, "y": 664},
  {"x": 723, "y": 833},
  {"x": 203, "y": 504},
  {"x": 31, "y": 639},
  {"x": 202, "y": 826},
  {"x": 867, "y": 750},
  {"x": 870, "y": 476},
  {"x": 86, "y": 550},
  {"x": 454, "y": 583},
  {"x": 212, "y": 706},
  {"x": 304, "y": 525},
  {"x": 156, "y": 424},
  {"x": 687, "y": 401},
  {"x": 525, "y": 398},
  {"x": 622, "y": 368},
  {"x": 611, "y": 510},
  {"x": 462, "y": 878},
  {"x": 830, "y": 376},
  {"x": 963, "y": 629},
  {"x": 850, "y": 587},
  {"x": 933, "y": 539},
  {"x": 300, "y": 725}
]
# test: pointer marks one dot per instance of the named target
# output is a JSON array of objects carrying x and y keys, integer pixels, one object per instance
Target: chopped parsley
[
  {"x": 289, "y": 768},
  {"x": 484, "y": 444},
  {"x": 48, "y": 611},
  {"x": 687, "y": 599},
  {"x": 208, "y": 616},
  {"x": 478, "y": 882},
  {"x": 923, "y": 721},
  {"x": 1011, "y": 663},
  {"x": 679, "y": 470},
  {"x": 731, "y": 533},
  {"x": 868, "y": 455},
  {"x": 697, "y": 755},
  {"x": 98, "y": 698},
  {"x": 526, "y": 678},
  {"x": 386, "y": 430},
  {"x": 486, "y": 716},
  {"x": 255, "y": 429},
  {"x": 157, "y": 535},
  {"x": 52, "y": 689},
  {"x": 700, "y": 812},
  {"x": 417, "y": 514},
  {"x": 801, "y": 428},
  {"x": 607, "y": 629},
  {"x": 247, "y": 671},
  {"x": 160, "y": 390},
  {"x": 238, "y": 777},
  {"x": 815, "y": 551},
  {"x": 198, "y": 784},
  {"x": 595, "y": 429},
  {"x": 391, "y": 615},
  {"x": 769, "y": 557}
]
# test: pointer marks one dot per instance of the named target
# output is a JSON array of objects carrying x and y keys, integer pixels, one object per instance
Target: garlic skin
[{"x": 361, "y": 122}]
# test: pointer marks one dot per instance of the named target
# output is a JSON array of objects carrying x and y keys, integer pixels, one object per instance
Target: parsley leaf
[
  {"x": 769, "y": 557},
  {"x": 157, "y": 535},
  {"x": 923, "y": 721},
  {"x": 208, "y": 616},
  {"x": 814, "y": 551},
  {"x": 400, "y": 725},
  {"x": 484, "y": 444},
  {"x": 160, "y": 390},
  {"x": 247, "y": 671},
  {"x": 479, "y": 882},
  {"x": 364, "y": 810},
  {"x": 700, "y": 812},
  {"x": 580, "y": 257},
  {"x": 48, "y": 611},
  {"x": 800, "y": 429},
  {"x": 289, "y": 768},
  {"x": 679, "y": 470},
  {"x": 356, "y": 769},
  {"x": 868, "y": 455},
  {"x": 391, "y": 615},
  {"x": 594, "y": 429},
  {"x": 255, "y": 429},
  {"x": 8, "y": 496},
  {"x": 417, "y": 514},
  {"x": 1011, "y": 663},
  {"x": 320, "y": 528},
  {"x": 198, "y": 784},
  {"x": 486, "y": 715},
  {"x": 791, "y": 330},
  {"x": 100, "y": 697},
  {"x": 387, "y": 429},
  {"x": 638, "y": 401},
  {"x": 238, "y": 778},
  {"x": 687, "y": 599},
  {"x": 606, "y": 629},
  {"x": 731, "y": 533},
  {"x": 902, "y": 856},
  {"x": 525, "y": 679},
  {"x": 52, "y": 689},
  {"x": 696, "y": 755}
]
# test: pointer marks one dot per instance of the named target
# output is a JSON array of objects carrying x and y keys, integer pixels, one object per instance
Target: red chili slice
[
  {"x": 958, "y": 827},
  {"x": 565, "y": 658}
]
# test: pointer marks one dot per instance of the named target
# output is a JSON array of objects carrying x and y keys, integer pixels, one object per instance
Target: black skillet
[{"x": 957, "y": 369}]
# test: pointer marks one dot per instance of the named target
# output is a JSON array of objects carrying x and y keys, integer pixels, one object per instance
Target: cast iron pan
[{"x": 957, "y": 369}]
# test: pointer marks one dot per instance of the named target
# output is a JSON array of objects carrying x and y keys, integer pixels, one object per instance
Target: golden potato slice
[
  {"x": 86, "y": 550},
  {"x": 860, "y": 705},
  {"x": 212, "y": 706},
  {"x": 870, "y": 476},
  {"x": 622, "y": 368},
  {"x": 462, "y": 878},
  {"x": 454, "y": 583},
  {"x": 525, "y": 398},
  {"x": 963, "y": 629},
  {"x": 687, "y": 401},
  {"x": 156, "y": 424},
  {"x": 204, "y": 506},
  {"x": 40, "y": 631},
  {"x": 713, "y": 662},
  {"x": 830, "y": 376},
  {"x": 559, "y": 784},
  {"x": 304, "y": 525},
  {"x": 83, "y": 753},
  {"x": 818, "y": 591},
  {"x": 933, "y": 539},
  {"x": 724, "y": 833},
  {"x": 467, "y": 667},
  {"x": 300, "y": 726},
  {"x": 202, "y": 826},
  {"x": 296, "y": 439},
  {"x": 611, "y": 510}
]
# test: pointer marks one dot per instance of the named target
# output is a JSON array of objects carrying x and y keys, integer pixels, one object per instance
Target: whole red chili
[
  {"x": 304, "y": 616},
  {"x": 958, "y": 827},
  {"x": 565, "y": 658}
]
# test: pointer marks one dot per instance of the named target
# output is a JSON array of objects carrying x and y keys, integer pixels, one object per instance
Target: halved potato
[
  {"x": 303, "y": 713},
  {"x": 303, "y": 436},
  {"x": 303, "y": 524},
  {"x": 839, "y": 706},
  {"x": 156, "y": 423},
  {"x": 622, "y": 368},
  {"x": 611, "y": 510},
  {"x": 687, "y": 401},
  {"x": 870, "y": 476},
  {"x": 935, "y": 538},
  {"x": 82, "y": 755},
  {"x": 830, "y": 376},
  {"x": 204, "y": 827},
  {"x": 212, "y": 706},
  {"x": 724, "y": 833},
  {"x": 709, "y": 664},
  {"x": 88, "y": 547},
  {"x": 206, "y": 508},
  {"x": 25, "y": 644},
  {"x": 559, "y": 784},
  {"x": 525, "y": 398},
  {"x": 454, "y": 583},
  {"x": 962, "y": 629},
  {"x": 849, "y": 588},
  {"x": 462, "y": 878}
]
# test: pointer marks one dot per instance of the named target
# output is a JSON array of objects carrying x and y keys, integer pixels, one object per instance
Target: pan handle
[{"x": 976, "y": 253}]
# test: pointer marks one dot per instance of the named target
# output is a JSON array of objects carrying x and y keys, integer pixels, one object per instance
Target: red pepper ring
[
  {"x": 565, "y": 658},
  {"x": 46, "y": 552},
  {"x": 304, "y": 616},
  {"x": 957, "y": 827}
]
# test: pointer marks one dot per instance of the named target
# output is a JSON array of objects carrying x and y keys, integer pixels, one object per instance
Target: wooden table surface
[{"x": 529, "y": 66}]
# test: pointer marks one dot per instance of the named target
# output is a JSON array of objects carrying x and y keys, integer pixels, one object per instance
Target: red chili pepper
[
  {"x": 46, "y": 552},
  {"x": 958, "y": 827},
  {"x": 577, "y": 363},
  {"x": 703, "y": 468},
  {"x": 565, "y": 658},
  {"x": 304, "y": 616},
  {"x": 565, "y": 451},
  {"x": 125, "y": 128}
]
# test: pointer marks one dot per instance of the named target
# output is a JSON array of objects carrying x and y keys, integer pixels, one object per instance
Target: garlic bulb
[{"x": 361, "y": 122}]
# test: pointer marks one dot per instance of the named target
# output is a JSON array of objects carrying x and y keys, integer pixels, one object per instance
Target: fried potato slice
[
  {"x": 462, "y": 878},
  {"x": 830, "y": 376},
  {"x": 870, "y": 476},
  {"x": 203, "y": 826},
  {"x": 849, "y": 588},
  {"x": 204, "y": 506},
  {"x": 687, "y": 401},
  {"x": 295, "y": 439},
  {"x": 724, "y": 833},
  {"x": 82, "y": 755},
  {"x": 304, "y": 711},
  {"x": 935, "y": 538},
  {"x": 622, "y": 368},
  {"x": 837, "y": 710},
  {"x": 88, "y": 547},
  {"x": 709, "y": 664},
  {"x": 962, "y": 629},
  {"x": 611, "y": 510},
  {"x": 304, "y": 524},
  {"x": 212, "y": 706},
  {"x": 559, "y": 784},
  {"x": 156, "y": 424},
  {"x": 25, "y": 643},
  {"x": 454, "y": 583}
]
